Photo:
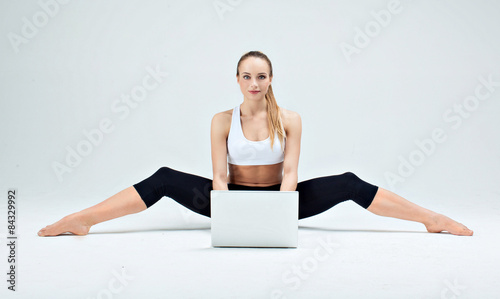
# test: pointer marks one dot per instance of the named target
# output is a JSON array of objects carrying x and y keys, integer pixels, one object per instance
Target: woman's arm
[
  {"x": 218, "y": 136},
  {"x": 293, "y": 128}
]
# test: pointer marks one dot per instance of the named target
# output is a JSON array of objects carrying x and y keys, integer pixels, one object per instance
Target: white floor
[{"x": 165, "y": 252}]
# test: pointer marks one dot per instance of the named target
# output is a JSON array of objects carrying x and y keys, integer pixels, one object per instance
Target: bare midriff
[{"x": 255, "y": 175}]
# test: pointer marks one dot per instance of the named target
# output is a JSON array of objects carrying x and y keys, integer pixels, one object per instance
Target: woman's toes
[{"x": 439, "y": 223}]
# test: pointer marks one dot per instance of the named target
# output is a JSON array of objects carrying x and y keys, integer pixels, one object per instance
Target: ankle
[
  {"x": 431, "y": 219},
  {"x": 83, "y": 218}
]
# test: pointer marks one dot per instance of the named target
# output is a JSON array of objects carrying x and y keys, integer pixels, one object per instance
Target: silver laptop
[{"x": 254, "y": 218}]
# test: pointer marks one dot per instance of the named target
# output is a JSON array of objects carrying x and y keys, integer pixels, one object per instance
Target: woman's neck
[{"x": 253, "y": 108}]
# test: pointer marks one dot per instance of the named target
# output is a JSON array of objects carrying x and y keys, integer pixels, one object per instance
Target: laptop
[{"x": 254, "y": 218}]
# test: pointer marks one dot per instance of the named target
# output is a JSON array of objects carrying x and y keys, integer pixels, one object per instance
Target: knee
[
  {"x": 350, "y": 177},
  {"x": 164, "y": 171},
  {"x": 352, "y": 180}
]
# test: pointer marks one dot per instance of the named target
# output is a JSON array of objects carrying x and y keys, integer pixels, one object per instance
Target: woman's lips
[{"x": 254, "y": 91}]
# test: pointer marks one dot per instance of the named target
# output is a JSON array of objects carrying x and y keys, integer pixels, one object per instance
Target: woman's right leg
[
  {"x": 189, "y": 190},
  {"x": 123, "y": 203}
]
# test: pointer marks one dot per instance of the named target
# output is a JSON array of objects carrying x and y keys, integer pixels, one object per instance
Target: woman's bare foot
[
  {"x": 438, "y": 223},
  {"x": 73, "y": 223}
]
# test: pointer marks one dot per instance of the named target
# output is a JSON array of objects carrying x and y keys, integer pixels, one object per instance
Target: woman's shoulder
[
  {"x": 222, "y": 120},
  {"x": 289, "y": 116},
  {"x": 291, "y": 121},
  {"x": 223, "y": 115}
]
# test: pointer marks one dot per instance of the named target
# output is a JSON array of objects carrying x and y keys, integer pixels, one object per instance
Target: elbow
[
  {"x": 290, "y": 171},
  {"x": 291, "y": 174}
]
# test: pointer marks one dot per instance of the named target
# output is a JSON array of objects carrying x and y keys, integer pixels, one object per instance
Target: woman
[{"x": 259, "y": 143}]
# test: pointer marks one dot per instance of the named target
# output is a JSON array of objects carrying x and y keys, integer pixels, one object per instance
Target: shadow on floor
[
  {"x": 207, "y": 230},
  {"x": 362, "y": 230}
]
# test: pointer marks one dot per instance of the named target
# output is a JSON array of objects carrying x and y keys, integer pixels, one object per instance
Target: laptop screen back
[{"x": 243, "y": 218}]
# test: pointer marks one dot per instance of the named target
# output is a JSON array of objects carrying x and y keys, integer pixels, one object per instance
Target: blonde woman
[{"x": 258, "y": 143}]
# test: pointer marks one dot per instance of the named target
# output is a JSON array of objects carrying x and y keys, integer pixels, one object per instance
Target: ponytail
[{"x": 274, "y": 118}]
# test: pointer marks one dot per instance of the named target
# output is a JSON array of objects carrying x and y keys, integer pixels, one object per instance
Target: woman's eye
[{"x": 261, "y": 77}]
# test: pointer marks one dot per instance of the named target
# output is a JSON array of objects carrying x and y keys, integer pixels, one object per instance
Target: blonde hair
[{"x": 273, "y": 110}]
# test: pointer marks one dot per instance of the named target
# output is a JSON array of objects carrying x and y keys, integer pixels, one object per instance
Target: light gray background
[{"x": 359, "y": 115}]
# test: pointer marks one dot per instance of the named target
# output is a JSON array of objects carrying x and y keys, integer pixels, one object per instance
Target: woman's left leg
[
  {"x": 320, "y": 194},
  {"x": 389, "y": 204}
]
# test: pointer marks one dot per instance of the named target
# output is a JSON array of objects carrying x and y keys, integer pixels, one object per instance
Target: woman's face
[{"x": 254, "y": 76}]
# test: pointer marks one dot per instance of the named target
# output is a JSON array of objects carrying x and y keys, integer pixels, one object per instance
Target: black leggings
[{"x": 315, "y": 195}]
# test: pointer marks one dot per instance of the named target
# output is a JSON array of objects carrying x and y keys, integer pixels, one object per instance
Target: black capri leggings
[{"x": 315, "y": 195}]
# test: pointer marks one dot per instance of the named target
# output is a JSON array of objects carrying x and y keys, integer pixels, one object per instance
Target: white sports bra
[{"x": 241, "y": 151}]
